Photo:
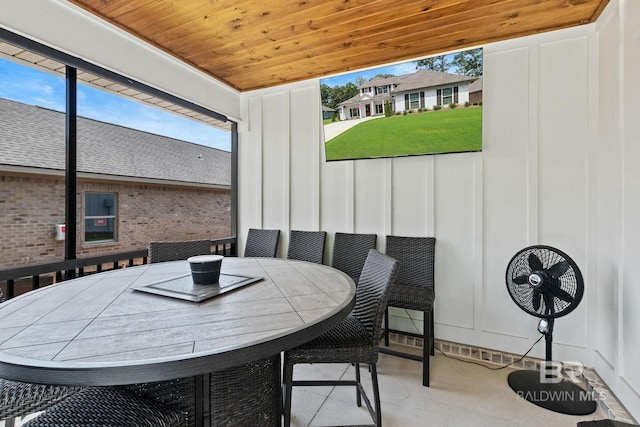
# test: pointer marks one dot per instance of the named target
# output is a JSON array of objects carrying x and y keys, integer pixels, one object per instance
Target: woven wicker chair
[
  {"x": 261, "y": 243},
  {"x": 177, "y": 250},
  {"x": 350, "y": 252},
  {"x": 355, "y": 340},
  {"x": 18, "y": 399},
  {"x": 307, "y": 245},
  {"x": 178, "y": 393},
  {"x": 108, "y": 407},
  {"x": 414, "y": 290}
]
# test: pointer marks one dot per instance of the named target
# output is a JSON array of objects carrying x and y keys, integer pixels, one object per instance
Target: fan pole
[
  {"x": 545, "y": 327},
  {"x": 548, "y": 338}
]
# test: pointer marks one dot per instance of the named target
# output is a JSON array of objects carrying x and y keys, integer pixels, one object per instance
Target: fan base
[{"x": 564, "y": 397}]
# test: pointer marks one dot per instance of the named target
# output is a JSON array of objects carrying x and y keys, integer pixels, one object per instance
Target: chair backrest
[
  {"x": 261, "y": 243},
  {"x": 416, "y": 256},
  {"x": 350, "y": 252},
  {"x": 372, "y": 294},
  {"x": 307, "y": 245},
  {"x": 177, "y": 250}
]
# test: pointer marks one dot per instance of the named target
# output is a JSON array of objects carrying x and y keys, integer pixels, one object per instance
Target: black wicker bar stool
[
  {"x": 261, "y": 243},
  {"x": 355, "y": 340},
  {"x": 414, "y": 290},
  {"x": 350, "y": 251},
  {"x": 307, "y": 245},
  {"x": 108, "y": 407},
  {"x": 18, "y": 399},
  {"x": 178, "y": 250}
]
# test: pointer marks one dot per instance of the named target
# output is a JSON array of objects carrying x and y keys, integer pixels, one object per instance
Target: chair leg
[
  {"x": 376, "y": 394},
  {"x": 287, "y": 390},
  {"x": 386, "y": 327},
  {"x": 358, "y": 395},
  {"x": 426, "y": 348},
  {"x": 432, "y": 338}
]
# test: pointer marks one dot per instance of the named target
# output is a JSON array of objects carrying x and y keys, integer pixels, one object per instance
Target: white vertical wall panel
[
  {"x": 413, "y": 216},
  {"x": 250, "y": 170},
  {"x": 562, "y": 168},
  {"x": 336, "y": 189},
  {"x": 630, "y": 292},
  {"x": 507, "y": 201},
  {"x": 455, "y": 177},
  {"x": 304, "y": 161},
  {"x": 604, "y": 288},
  {"x": 371, "y": 179},
  {"x": 275, "y": 161}
]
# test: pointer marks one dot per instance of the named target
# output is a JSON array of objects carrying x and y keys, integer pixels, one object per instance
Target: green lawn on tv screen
[{"x": 431, "y": 132}]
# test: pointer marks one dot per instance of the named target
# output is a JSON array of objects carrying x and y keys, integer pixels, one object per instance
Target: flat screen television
[{"x": 428, "y": 106}]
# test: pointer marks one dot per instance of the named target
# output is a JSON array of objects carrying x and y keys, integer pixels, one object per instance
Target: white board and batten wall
[{"x": 560, "y": 138}]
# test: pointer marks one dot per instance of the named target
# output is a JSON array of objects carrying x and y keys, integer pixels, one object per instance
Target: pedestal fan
[{"x": 546, "y": 283}]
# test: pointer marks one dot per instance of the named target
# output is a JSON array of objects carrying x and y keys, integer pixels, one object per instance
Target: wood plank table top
[{"x": 98, "y": 330}]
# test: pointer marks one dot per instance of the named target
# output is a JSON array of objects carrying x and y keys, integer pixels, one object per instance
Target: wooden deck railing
[{"x": 69, "y": 269}]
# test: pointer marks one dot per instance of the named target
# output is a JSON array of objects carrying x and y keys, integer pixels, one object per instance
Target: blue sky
[{"x": 30, "y": 86}]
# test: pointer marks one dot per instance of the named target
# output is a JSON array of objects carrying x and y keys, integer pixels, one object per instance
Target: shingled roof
[
  {"x": 429, "y": 78},
  {"x": 32, "y": 136},
  {"x": 418, "y": 80}
]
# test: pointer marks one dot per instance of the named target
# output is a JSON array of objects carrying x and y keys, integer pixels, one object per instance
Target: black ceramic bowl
[{"x": 205, "y": 269}]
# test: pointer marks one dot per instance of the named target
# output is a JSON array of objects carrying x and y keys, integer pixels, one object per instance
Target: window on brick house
[{"x": 100, "y": 218}]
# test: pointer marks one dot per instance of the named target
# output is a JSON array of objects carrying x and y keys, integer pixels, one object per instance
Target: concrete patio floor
[{"x": 460, "y": 394}]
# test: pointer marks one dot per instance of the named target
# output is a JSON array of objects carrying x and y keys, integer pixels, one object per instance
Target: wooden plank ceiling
[{"x": 252, "y": 44}]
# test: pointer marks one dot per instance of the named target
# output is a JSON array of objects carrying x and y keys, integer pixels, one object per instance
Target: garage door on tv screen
[{"x": 429, "y": 106}]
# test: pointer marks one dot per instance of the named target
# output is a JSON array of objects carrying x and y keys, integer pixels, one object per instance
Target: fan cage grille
[{"x": 523, "y": 294}]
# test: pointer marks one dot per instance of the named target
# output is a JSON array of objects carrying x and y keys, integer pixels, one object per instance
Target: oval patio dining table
[{"x": 150, "y": 323}]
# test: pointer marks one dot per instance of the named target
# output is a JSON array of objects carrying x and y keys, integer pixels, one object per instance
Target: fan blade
[
  {"x": 558, "y": 269},
  {"x": 560, "y": 293},
  {"x": 521, "y": 280},
  {"x": 536, "y": 299},
  {"x": 534, "y": 262}
]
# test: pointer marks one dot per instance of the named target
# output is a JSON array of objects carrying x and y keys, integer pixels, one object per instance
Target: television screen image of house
[{"x": 427, "y": 106}]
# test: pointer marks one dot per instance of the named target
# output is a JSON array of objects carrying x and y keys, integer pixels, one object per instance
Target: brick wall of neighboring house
[{"x": 31, "y": 206}]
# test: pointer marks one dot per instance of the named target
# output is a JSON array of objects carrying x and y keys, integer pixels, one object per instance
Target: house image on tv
[{"x": 423, "y": 89}]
